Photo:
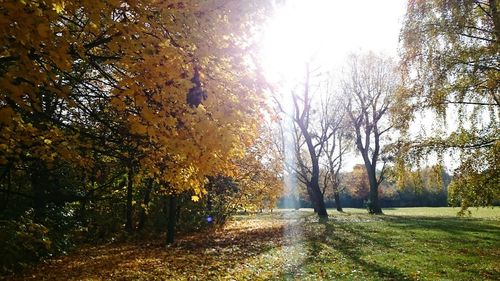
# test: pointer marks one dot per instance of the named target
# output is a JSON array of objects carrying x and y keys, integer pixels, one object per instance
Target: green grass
[
  {"x": 402, "y": 244},
  {"x": 406, "y": 244}
]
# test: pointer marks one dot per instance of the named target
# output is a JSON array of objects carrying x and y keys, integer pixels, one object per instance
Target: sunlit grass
[
  {"x": 403, "y": 244},
  {"x": 490, "y": 212}
]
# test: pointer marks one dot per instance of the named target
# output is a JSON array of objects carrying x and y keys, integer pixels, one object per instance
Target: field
[{"x": 403, "y": 244}]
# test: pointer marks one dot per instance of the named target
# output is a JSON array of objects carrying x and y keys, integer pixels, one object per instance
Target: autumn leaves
[{"x": 113, "y": 77}]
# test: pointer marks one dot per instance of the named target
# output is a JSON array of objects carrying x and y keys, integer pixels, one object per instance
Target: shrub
[{"x": 22, "y": 242}]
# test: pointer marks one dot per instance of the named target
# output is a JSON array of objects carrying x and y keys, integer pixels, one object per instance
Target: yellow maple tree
[{"x": 85, "y": 75}]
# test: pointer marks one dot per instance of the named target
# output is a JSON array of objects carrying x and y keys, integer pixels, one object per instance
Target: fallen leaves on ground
[
  {"x": 289, "y": 245},
  {"x": 218, "y": 255}
]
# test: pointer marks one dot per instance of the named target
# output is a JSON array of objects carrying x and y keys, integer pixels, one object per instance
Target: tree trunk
[
  {"x": 373, "y": 206},
  {"x": 301, "y": 121},
  {"x": 145, "y": 202},
  {"x": 312, "y": 198},
  {"x": 496, "y": 18},
  {"x": 320, "y": 202},
  {"x": 39, "y": 182},
  {"x": 82, "y": 214},
  {"x": 336, "y": 197},
  {"x": 315, "y": 191},
  {"x": 172, "y": 210},
  {"x": 128, "y": 224},
  {"x": 9, "y": 187}
]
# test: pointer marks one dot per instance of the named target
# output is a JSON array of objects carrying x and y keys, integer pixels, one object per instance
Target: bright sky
[{"x": 328, "y": 30}]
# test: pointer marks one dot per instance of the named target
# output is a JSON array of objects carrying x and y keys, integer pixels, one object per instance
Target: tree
[
  {"x": 313, "y": 137},
  {"x": 427, "y": 186},
  {"x": 154, "y": 90},
  {"x": 314, "y": 141},
  {"x": 303, "y": 137},
  {"x": 259, "y": 175},
  {"x": 369, "y": 86},
  {"x": 337, "y": 146},
  {"x": 450, "y": 64},
  {"x": 357, "y": 184}
]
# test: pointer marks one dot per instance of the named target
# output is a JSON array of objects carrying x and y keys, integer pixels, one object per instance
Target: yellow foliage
[
  {"x": 109, "y": 75},
  {"x": 6, "y": 114},
  {"x": 58, "y": 7}
]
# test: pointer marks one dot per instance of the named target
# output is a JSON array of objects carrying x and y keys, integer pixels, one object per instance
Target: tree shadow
[
  {"x": 192, "y": 256},
  {"x": 451, "y": 225},
  {"x": 213, "y": 254},
  {"x": 471, "y": 236},
  {"x": 353, "y": 250}
]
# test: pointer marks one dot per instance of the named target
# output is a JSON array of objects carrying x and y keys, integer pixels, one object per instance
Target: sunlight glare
[{"x": 325, "y": 31}]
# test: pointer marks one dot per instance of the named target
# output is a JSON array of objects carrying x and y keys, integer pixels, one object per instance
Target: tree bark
[
  {"x": 128, "y": 224},
  {"x": 39, "y": 182},
  {"x": 317, "y": 196},
  {"x": 496, "y": 18},
  {"x": 145, "y": 202},
  {"x": 172, "y": 210},
  {"x": 319, "y": 200},
  {"x": 311, "y": 197},
  {"x": 7, "y": 192},
  {"x": 373, "y": 206},
  {"x": 336, "y": 197}
]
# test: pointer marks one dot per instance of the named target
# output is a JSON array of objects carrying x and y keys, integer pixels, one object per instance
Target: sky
[{"x": 327, "y": 31}]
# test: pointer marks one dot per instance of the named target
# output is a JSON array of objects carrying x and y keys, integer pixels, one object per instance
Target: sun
[
  {"x": 325, "y": 32},
  {"x": 293, "y": 37}
]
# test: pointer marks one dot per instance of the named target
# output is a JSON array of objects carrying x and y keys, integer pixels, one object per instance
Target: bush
[
  {"x": 22, "y": 242},
  {"x": 211, "y": 210}
]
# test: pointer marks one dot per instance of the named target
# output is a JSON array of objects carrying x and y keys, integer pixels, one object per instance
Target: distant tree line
[{"x": 426, "y": 190}]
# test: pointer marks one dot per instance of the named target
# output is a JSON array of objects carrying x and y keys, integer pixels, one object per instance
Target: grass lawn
[{"x": 403, "y": 244}]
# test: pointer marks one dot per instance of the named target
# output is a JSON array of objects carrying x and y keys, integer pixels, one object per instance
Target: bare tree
[
  {"x": 318, "y": 131},
  {"x": 315, "y": 128},
  {"x": 306, "y": 141},
  {"x": 314, "y": 138},
  {"x": 369, "y": 85},
  {"x": 333, "y": 119},
  {"x": 335, "y": 150}
]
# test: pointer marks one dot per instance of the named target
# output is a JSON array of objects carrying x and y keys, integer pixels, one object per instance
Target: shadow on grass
[
  {"x": 462, "y": 238},
  {"x": 452, "y": 225},
  {"x": 470, "y": 241},
  {"x": 224, "y": 254},
  {"x": 208, "y": 254},
  {"x": 353, "y": 249}
]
